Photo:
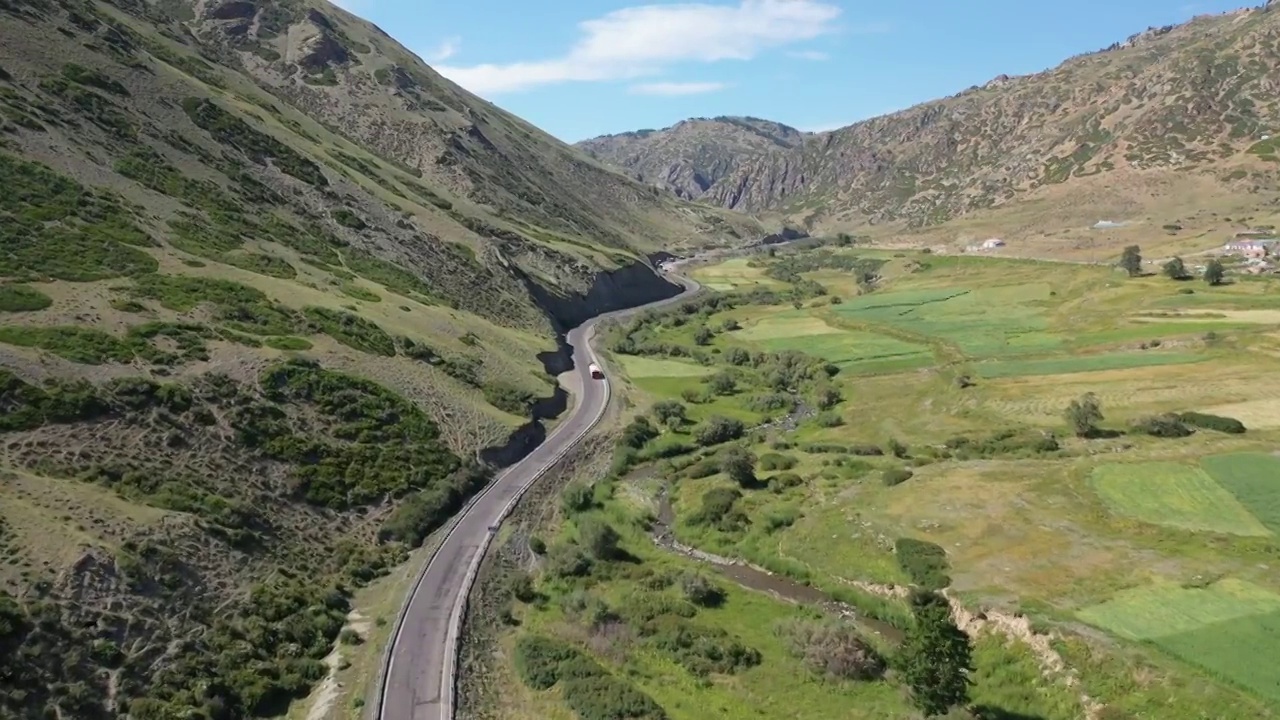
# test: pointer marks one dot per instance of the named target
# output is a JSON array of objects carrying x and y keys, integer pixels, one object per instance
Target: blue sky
[{"x": 587, "y": 67}]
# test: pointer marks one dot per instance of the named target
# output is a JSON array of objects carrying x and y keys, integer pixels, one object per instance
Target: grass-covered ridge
[{"x": 248, "y": 333}]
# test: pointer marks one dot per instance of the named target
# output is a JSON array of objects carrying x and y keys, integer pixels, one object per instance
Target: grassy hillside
[
  {"x": 1169, "y": 132},
  {"x": 268, "y": 285}
]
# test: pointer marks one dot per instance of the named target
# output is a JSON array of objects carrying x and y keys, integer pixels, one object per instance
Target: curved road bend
[{"x": 419, "y": 683}]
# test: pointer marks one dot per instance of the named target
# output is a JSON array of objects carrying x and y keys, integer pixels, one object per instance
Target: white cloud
[
  {"x": 676, "y": 88},
  {"x": 809, "y": 55},
  {"x": 445, "y": 50},
  {"x": 642, "y": 41}
]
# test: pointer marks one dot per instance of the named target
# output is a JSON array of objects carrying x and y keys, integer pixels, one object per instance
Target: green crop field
[
  {"x": 1227, "y": 628},
  {"x": 1240, "y": 650},
  {"x": 733, "y": 274},
  {"x": 851, "y": 348},
  {"x": 1166, "y": 493},
  {"x": 786, "y": 326},
  {"x": 1080, "y": 364},
  {"x": 1000, "y": 321},
  {"x": 647, "y": 367},
  {"x": 1156, "y": 611},
  {"x": 930, "y": 404},
  {"x": 1254, "y": 478}
]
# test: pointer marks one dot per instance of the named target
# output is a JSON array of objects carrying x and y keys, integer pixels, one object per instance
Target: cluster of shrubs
[
  {"x": 590, "y": 690},
  {"x": 1004, "y": 442},
  {"x": 832, "y": 648},
  {"x": 1180, "y": 425}
]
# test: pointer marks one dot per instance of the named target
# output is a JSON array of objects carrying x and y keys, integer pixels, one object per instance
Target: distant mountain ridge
[{"x": 1167, "y": 105}]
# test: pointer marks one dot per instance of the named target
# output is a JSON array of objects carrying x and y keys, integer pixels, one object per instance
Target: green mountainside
[
  {"x": 1178, "y": 110},
  {"x": 269, "y": 287}
]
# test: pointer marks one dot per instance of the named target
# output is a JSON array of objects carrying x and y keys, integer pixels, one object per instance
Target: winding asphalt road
[{"x": 419, "y": 682}]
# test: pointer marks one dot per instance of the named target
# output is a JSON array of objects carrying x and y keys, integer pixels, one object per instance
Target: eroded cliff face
[{"x": 626, "y": 287}]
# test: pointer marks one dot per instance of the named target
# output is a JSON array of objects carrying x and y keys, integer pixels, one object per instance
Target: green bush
[
  {"x": 390, "y": 275},
  {"x": 27, "y": 406},
  {"x": 776, "y": 461},
  {"x": 57, "y": 228},
  {"x": 1212, "y": 422},
  {"x": 79, "y": 345},
  {"x": 348, "y": 219},
  {"x": 538, "y": 660},
  {"x": 577, "y": 497},
  {"x": 257, "y": 146},
  {"x": 718, "y": 430},
  {"x": 701, "y": 590},
  {"x": 21, "y": 298},
  {"x": 423, "y": 512},
  {"x": 925, "y": 562},
  {"x": 567, "y": 561},
  {"x": 895, "y": 476},
  {"x": 1162, "y": 426},
  {"x": 351, "y": 330},
  {"x": 95, "y": 108},
  {"x": 829, "y": 419},
  {"x": 241, "y": 307},
  {"x": 381, "y": 444},
  {"x": 772, "y": 402},
  {"x": 261, "y": 263},
  {"x": 1004, "y": 442},
  {"x": 93, "y": 78},
  {"x": 605, "y": 697},
  {"x": 700, "y": 650},
  {"x": 350, "y": 289},
  {"x": 513, "y": 400},
  {"x": 832, "y": 648},
  {"x": 718, "y": 510},
  {"x": 638, "y": 432},
  {"x": 287, "y": 343},
  {"x": 785, "y": 481}
]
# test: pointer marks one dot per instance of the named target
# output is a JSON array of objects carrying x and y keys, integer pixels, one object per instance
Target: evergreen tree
[
  {"x": 1214, "y": 272},
  {"x": 1131, "y": 260},
  {"x": 936, "y": 657},
  {"x": 739, "y": 465},
  {"x": 1175, "y": 269}
]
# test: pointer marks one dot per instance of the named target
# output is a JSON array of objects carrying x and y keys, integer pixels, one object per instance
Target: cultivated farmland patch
[
  {"x": 1082, "y": 364},
  {"x": 784, "y": 326},
  {"x": 1231, "y": 628},
  {"x": 982, "y": 323},
  {"x": 1173, "y": 494},
  {"x": 1165, "y": 609},
  {"x": 1254, "y": 479},
  {"x": 646, "y": 367},
  {"x": 733, "y": 274}
]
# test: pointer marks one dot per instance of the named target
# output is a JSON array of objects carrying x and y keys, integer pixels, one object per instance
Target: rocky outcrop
[{"x": 626, "y": 287}]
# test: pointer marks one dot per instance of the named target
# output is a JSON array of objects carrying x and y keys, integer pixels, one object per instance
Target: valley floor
[{"x": 1123, "y": 573}]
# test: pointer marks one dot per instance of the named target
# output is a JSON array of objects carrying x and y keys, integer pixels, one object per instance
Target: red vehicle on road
[{"x": 596, "y": 372}]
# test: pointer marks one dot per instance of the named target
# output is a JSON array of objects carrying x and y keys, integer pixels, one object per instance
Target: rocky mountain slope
[
  {"x": 271, "y": 290},
  {"x": 1190, "y": 109}
]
